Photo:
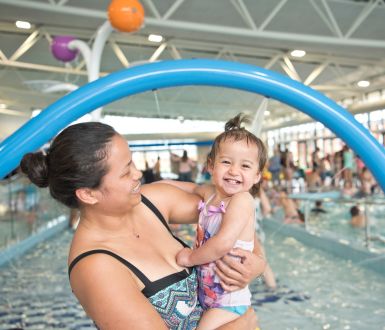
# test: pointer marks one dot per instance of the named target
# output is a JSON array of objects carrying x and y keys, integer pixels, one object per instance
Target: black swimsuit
[{"x": 173, "y": 296}]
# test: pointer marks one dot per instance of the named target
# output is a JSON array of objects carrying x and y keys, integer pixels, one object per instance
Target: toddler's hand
[{"x": 183, "y": 257}]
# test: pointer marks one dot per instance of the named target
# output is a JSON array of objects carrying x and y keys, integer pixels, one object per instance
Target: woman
[
  {"x": 185, "y": 166},
  {"x": 122, "y": 263}
]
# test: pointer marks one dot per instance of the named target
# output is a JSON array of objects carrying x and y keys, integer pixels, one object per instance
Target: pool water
[
  {"x": 333, "y": 293},
  {"x": 336, "y": 224},
  {"x": 316, "y": 290},
  {"x": 35, "y": 292}
]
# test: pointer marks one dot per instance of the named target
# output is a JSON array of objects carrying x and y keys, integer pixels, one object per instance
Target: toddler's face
[{"x": 236, "y": 167}]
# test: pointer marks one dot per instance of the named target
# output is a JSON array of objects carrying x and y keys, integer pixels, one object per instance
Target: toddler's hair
[{"x": 236, "y": 132}]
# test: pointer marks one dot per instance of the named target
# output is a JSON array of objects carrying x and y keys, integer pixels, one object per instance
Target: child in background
[
  {"x": 348, "y": 189},
  {"x": 226, "y": 220},
  {"x": 291, "y": 211},
  {"x": 358, "y": 219}
]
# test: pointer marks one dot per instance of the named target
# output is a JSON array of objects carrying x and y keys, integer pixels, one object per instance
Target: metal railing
[
  {"x": 373, "y": 237},
  {"x": 24, "y": 210}
]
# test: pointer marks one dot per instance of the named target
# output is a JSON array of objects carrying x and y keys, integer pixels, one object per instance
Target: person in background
[
  {"x": 313, "y": 180},
  {"x": 185, "y": 166},
  {"x": 315, "y": 158},
  {"x": 289, "y": 169},
  {"x": 121, "y": 261},
  {"x": 226, "y": 220},
  {"x": 367, "y": 183},
  {"x": 156, "y": 170},
  {"x": 325, "y": 169},
  {"x": 275, "y": 167},
  {"x": 348, "y": 163},
  {"x": 359, "y": 165},
  {"x": 358, "y": 219},
  {"x": 291, "y": 212},
  {"x": 148, "y": 174},
  {"x": 318, "y": 209},
  {"x": 338, "y": 168},
  {"x": 348, "y": 190}
]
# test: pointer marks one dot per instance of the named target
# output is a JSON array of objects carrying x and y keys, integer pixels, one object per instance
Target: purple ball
[{"x": 60, "y": 50}]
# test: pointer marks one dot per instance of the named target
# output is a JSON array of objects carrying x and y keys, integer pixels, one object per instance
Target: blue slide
[{"x": 115, "y": 86}]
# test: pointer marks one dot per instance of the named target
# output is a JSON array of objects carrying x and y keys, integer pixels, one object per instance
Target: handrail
[{"x": 365, "y": 201}]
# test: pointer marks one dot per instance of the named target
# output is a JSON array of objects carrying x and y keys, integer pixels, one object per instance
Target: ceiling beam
[
  {"x": 153, "y": 8},
  {"x": 206, "y": 28},
  {"x": 40, "y": 67},
  {"x": 244, "y": 12},
  {"x": 273, "y": 13},
  {"x": 26, "y": 45},
  {"x": 172, "y": 9},
  {"x": 332, "y": 19},
  {"x": 315, "y": 73},
  {"x": 363, "y": 15}
]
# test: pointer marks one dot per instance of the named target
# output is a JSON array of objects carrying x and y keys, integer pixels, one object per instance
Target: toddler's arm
[{"x": 239, "y": 211}]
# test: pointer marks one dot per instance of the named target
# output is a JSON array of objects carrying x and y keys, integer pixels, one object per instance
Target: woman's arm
[
  {"x": 111, "y": 297},
  {"x": 188, "y": 187},
  {"x": 201, "y": 190},
  {"x": 175, "y": 204},
  {"x": 174, "y": 158}
]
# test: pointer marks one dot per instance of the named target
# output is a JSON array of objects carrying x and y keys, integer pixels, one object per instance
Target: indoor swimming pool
[
  {"x": 332, "y": 293},
  {"x": 316, "y": 290},
  {"x": 335, "y": 222}
]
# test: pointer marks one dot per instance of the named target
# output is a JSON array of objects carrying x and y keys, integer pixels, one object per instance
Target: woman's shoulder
[{"x": 83, "y": 244}]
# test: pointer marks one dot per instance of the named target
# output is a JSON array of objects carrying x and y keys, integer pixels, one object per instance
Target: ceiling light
[
  {"x": 3, "y": 106},
  {"x": 363, "y": 83},
  {"x": 23, "y": 25},
  {"x": 298, "y": 53},
  {"x": 35, "y": 112},
  {"x": 155, "y": 38}
]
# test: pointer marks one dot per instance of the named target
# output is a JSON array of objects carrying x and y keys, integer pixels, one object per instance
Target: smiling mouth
[
  {"x": 136, "y": 188},
  {"x": 232, "y": 181}
]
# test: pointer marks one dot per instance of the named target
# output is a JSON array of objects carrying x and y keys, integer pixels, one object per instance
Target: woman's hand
[{"x": 235, "y": 275}]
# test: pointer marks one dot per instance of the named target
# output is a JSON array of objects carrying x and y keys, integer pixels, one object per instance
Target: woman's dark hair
[
  {"x": 236, "y": 132},
  {"x": 75, "y": 159}
]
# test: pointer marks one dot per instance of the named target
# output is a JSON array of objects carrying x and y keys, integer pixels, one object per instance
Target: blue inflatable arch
[{"x": 49, "y": 122}]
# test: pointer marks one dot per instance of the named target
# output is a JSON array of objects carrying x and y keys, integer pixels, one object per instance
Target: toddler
[{"x": 226, "y": 220}]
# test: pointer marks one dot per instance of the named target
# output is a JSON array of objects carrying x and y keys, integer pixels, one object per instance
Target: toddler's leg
[{"x": 215, "y": 317}]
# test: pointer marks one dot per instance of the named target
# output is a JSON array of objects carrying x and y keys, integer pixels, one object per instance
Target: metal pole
[{"x": 367, "y": 230}]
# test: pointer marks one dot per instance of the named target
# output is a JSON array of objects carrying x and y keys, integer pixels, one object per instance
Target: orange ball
[{"x": 126, "y": 15}]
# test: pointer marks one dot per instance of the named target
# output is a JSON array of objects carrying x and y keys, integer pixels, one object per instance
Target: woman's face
[{"x": 120, "y": 188}]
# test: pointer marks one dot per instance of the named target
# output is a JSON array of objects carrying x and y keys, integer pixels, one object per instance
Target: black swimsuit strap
[
  {"x": 135, "y": 270},
  {"x": 129, "y": 265},
  {"x": 159, "y": 215}
]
